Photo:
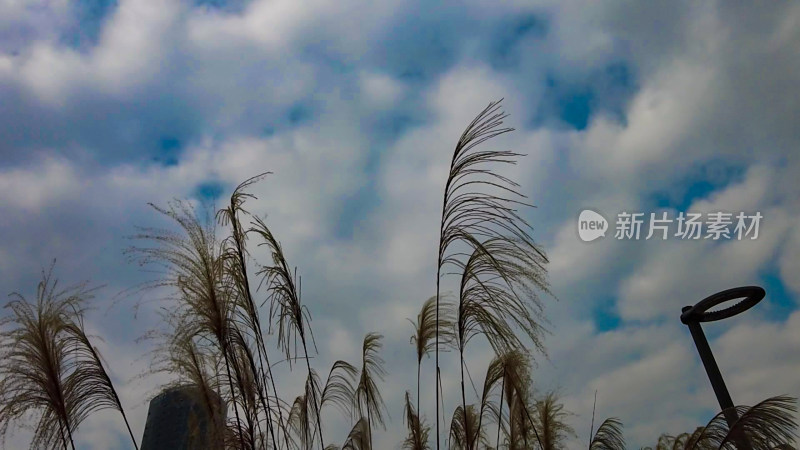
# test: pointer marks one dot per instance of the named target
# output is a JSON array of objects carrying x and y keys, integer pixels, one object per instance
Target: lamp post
[{"x": 692, "y": 316}]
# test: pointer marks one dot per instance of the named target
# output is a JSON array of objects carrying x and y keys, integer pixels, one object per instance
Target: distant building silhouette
[{"x": 180, "y": 418}]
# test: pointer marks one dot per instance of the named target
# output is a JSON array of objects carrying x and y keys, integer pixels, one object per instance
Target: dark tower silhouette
[{"x": 184, "y": 418}]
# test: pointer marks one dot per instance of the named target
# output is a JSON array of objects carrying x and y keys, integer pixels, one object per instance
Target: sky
[{"x": 651, "y": 107}]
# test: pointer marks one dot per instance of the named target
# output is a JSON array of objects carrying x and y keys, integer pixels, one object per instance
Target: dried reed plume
[
  {"x": 474, "y": 217},
  {"x": 425, "y": 328},
  {"x": 49, "y": 369},
  {"x": 368, "y": 399},
  {"x": 608, "y": 436},
  {"x": 418, "y": 431},
  {"x": 287, "y": 310}
]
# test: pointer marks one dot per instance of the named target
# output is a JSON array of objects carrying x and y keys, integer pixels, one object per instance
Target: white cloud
[
  {"x": 380, "y": 90},
  {"x": 29, "y": 190},
  {"x": 757, "y": 359},
  {"x": 660, "y": 117}
]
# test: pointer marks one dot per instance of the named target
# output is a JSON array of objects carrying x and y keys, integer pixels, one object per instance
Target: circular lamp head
[{"x": 700, "y": 313}]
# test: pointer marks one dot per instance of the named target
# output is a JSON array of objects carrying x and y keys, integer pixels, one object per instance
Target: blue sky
[{"x": 355, "y": 107}]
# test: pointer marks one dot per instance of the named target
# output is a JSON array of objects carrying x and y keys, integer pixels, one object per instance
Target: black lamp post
[{"x": 692, "y": 316}]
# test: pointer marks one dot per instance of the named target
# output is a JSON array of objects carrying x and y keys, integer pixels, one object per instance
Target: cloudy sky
[{"x": 355, "y": 107}]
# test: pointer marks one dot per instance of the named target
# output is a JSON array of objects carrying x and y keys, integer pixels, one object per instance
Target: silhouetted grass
[{"x": 49, "y": 370}]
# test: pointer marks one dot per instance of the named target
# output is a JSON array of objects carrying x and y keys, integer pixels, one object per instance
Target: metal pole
[
  {"x": 717, "y": 383},
  {"x": 692, "y": 316}
]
